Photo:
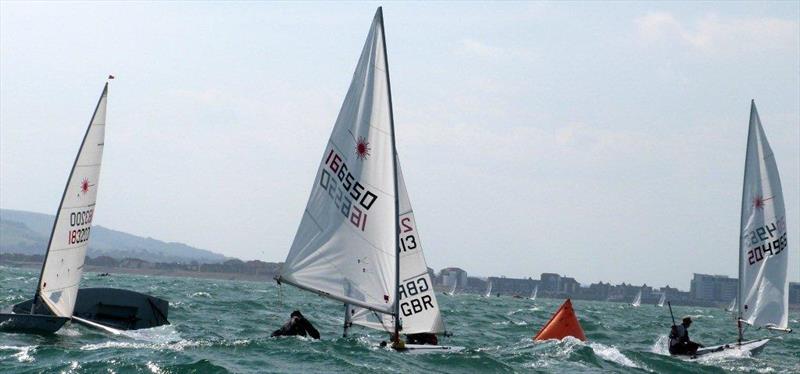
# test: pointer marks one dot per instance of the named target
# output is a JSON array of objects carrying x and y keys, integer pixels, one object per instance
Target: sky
[{"x": 602, "y": 141}]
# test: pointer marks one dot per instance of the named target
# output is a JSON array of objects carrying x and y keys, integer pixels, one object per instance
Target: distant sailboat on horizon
[
  {"x": 662, "y": 300},
  {"x": 731, "y": 307},
  {"x": 637, "y": 300},
  {"x": 535, "y": 291},
  {"x": 452, "y": 291},
  {"x": 488, "y": 290}
]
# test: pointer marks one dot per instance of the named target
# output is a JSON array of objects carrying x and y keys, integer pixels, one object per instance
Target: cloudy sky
[{"x": 602, "y": 141}]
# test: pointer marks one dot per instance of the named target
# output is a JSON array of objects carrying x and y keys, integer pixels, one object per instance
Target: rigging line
[
  {"x": 380, "y": 319},
  {"x": 280, "y": 295}
]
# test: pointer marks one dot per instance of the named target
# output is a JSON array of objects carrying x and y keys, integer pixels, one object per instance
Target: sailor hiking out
[{"x": 679, "y": 342}]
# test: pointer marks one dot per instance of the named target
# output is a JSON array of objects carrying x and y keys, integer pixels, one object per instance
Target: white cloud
[
  {"x": 476, "y": 48},
  {"x": 715, "y": 33}
]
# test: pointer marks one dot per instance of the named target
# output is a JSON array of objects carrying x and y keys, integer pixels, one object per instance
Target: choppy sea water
[{"x": 221, "y": 326}]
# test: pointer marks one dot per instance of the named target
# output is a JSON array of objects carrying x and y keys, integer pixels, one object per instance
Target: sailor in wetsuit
[
  {"x": 679, "y": 343},
  {"x": 297, "y": 325}
]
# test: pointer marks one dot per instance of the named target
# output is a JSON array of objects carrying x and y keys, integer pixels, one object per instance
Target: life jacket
[{"x": 678, "y": 334}]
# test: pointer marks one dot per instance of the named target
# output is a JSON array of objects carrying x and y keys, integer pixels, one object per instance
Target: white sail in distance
[
  {"x": 345, "y": 246},
  {"x": 453, "y": 288},
  {"x": 638, "y": 300},
  {"x": 535, "y": 291},
  {"x": 732, "y": 307},
  {"x": 66, "y": 251},
  {"x": 419, "y": 309},
  {"x": 662, "y": 299},
  {"x": 489, "y": 290},
  {"x": 763, "y": 249}
]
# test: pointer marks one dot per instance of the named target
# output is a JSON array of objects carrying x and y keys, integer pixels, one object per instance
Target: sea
[{"x": 224, "y": 326}]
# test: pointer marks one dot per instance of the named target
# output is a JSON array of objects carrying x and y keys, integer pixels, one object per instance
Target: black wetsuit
[
  {"x": 297, "y": 325},
  {"x": 679, "y": 343}
]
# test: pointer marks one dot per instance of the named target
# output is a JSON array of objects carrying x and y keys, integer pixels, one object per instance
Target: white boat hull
[
  {"x": 422, "y": 348},
  {"x": 751, "y": 346}
]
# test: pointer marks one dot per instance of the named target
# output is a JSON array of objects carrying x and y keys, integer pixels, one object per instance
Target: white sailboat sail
[
  {"x": 763, "y": 250},
  {"x": 345, "y": 247},
  {"x": 66, "y": 251},
  {"x": 488, "y": 290},
  {"x": 732, "y": 307},
  {"x": 638, "y": 300},
  {"x": 662, "y": 299},
  {"x": 419, "y": 309},
  {"x": 453, "y": 288},
  {"x": 535, "y": 291}
]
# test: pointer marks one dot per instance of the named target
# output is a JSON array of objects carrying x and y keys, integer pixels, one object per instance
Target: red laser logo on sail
[
  {"x": 85, "y": 185},
  {"x": 362, "y": 148},
  {"x": 758, "y": 201}
]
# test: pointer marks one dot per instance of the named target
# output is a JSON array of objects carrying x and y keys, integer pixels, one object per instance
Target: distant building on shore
[
  {"x": 794, "y": 293},
  {"x": 512, "y": 286},
  {"x": 453, "y": 276},
  {"x": 714, "y": 288}
]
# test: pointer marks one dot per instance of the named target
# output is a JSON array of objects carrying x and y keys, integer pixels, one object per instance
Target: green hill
[{"x": 28, "y": 232}]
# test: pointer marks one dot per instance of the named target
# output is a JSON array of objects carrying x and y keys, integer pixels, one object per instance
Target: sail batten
[{"x": 763, "y": 249}]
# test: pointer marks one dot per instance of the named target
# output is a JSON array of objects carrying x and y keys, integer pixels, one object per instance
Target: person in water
[
  {"x": 297, "y": 325},
  {"x": 679, "y": 342}
]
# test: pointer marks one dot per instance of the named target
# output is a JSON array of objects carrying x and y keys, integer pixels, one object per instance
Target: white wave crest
[
  {"x": 23, "y": 353},
  {"x": 173, "y": 346},
  {"x": 661, "y": 346},
  {"x": 162, "y": 334},
  {"x": 153, "y": 367},
  {"x": 608, "y": 353},
  {"x": 613, "y": 354}
]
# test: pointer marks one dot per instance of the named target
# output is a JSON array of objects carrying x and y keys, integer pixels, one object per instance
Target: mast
[
  {"x": 740, "y": 297},
  {"x": 396, "y": 195},
  {"x": 61, "y": 203},
  {"x": 347, "y": 322}
]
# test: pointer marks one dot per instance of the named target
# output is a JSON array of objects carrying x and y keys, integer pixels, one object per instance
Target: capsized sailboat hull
[
  {"x": 31, "y": 323},
  {"x": 116, "y": 308}
]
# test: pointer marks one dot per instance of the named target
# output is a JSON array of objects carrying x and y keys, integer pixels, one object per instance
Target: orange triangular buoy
[{"x": 562, "y": 324}]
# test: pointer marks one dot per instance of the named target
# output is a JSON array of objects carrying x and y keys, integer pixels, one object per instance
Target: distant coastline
[
  {"x": 259, "y": 271},
  {"x": 228, "y": 270}
]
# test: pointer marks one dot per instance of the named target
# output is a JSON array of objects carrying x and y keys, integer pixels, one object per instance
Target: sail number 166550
[{"x": 347, "y": 193}]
